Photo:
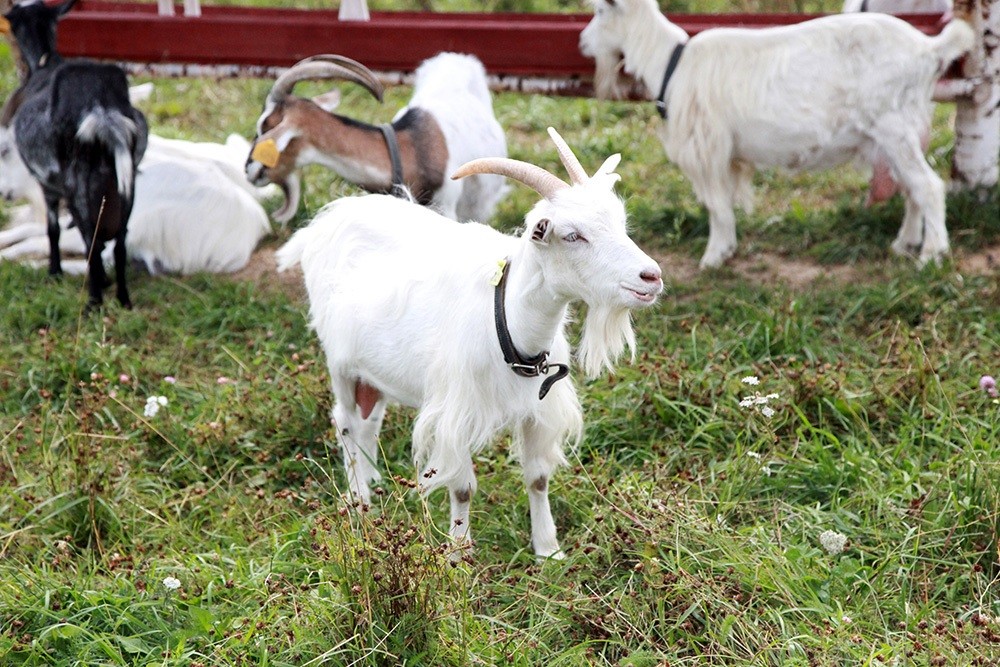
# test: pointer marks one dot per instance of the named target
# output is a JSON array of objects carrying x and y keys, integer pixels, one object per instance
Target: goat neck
[
  {"x": 33, "y": 25},
  {"x": 534, "y": 311},
  {"x": 357, "y": 152},
  {"x": 648, "y": 49}
]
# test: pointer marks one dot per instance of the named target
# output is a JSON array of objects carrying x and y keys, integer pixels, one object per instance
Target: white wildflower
[
  {"x": 153, "y": 405},
  {"x": 832, "y": 541},
  {"x": 758, "y": 401},
  {"x": 754, "y": 455},
  {"x": 171, "y": 583},
  {"x": 766, "y": 470},
  {"x": 845, "y": 619}
]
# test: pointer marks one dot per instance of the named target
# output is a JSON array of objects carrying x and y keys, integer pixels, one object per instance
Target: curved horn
[
  {"x": 292, "y": 189},
  {"x": 531, "y": 175},
  {"x": 325, "y": 67},
  {"x": 577, "y": 174}
]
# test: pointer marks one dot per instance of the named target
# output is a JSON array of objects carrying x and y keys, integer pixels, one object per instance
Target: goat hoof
[{"x": 556, "y": 555}]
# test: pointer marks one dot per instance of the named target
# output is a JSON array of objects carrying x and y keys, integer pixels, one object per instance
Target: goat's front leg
[
  {"x": 52, "y": 220},
  {"x": 542, "y": 455},
  {"x": 721, "y": 233},
  {"x": 461, "y": 488}
]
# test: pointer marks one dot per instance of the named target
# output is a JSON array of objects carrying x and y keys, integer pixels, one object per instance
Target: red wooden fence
[{"x": 523, "y": 45}]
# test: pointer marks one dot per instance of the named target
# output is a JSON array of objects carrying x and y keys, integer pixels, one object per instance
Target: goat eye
[
  {"x": 573, "y": 237},
  {"x": 4, "y": 152}
]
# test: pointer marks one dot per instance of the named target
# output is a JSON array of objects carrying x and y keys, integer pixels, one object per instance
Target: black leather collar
[
  {"x": 527, "y": 367},
  {"x": 661, "y": 104}
]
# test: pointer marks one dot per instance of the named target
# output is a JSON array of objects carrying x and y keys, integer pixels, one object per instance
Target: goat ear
[
  {"x": 540, "y": 234},
  {"x": 327, "y": 101}
]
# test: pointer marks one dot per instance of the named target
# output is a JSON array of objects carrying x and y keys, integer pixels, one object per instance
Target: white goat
[
  {"x": 448, "y": 122},
  {"x": 806, "y": 96},
  {"x": 190, "y": 214},
  {"x": 466, "y": 324}
]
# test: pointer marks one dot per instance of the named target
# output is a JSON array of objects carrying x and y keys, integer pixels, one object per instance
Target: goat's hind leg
[
  {"x": 121, "y": 264},
  {"x": 357, "y": 415},
  {"x": 54, "y": 230}
]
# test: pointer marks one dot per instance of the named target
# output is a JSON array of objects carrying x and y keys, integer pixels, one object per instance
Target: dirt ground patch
[
  {"x": 772, "y": 269},
  {"x": 262, "y": 271}
]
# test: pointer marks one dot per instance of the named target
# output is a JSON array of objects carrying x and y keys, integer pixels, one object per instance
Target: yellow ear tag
[
  {"x": 266, "y": 152},
  {"x": 498, "y": 276}
]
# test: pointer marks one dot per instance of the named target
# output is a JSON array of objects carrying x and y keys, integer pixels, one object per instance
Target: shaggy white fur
[
  {"x": 802, "y": 97},
  {"x": 402, "y": 300}
]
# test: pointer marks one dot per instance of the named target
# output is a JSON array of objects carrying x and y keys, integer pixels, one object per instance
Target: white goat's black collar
[
  {"x": 661, "y": 103},
  {"x": 389, "y": 132},
  {"x": 524, "y": 367}
]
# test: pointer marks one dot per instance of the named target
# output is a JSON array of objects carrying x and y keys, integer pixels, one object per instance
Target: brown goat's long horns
[{"x": 326, "y": 66}]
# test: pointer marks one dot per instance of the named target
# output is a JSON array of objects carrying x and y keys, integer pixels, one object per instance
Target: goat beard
[{"x": 607, "y": 332}]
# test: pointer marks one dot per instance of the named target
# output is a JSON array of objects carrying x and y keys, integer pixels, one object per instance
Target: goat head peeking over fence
[{"x": 466, "y": 324}]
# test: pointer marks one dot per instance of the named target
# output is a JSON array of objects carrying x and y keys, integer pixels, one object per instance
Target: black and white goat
[
  {"x": 449, "y": 121},
  {"x": 81, "y": 139}
]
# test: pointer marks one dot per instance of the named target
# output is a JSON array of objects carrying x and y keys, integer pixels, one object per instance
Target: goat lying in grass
[
  {"x": 466, "y": 324},
  {"x": 448, "y": 122},
  {"x": 192, "y": 212},
  {"x": 802, "y": 97},
  {"x": 81, "y": 139}
]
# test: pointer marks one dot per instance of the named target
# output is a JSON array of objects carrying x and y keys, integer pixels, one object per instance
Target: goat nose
[{"x": 651, "y": 275}]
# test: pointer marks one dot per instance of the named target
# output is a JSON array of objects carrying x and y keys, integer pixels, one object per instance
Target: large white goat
[
  {"x": 803, "y": 97},
  {"x": 448, "y": 122},
  {"x": 466, "y": 324},
  {"x": 192, "y": 212}
]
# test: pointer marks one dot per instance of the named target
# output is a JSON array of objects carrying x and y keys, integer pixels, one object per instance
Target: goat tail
[
  {"x": 957, "y": 38},
  {"x": 118, "y": 133}
]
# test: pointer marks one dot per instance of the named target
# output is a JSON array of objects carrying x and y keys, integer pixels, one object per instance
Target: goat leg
[
  {"x": 97, "y": 277},
  {"x": 52, "y": 217},
  {"x": 121, "y": 263}
]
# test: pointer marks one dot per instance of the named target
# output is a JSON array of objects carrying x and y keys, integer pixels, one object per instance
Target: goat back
[{"x": 79, "y": 86}]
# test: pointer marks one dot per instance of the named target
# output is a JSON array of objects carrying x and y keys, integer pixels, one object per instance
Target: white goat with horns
[
  {"x": 448, "y": 122},
  {"x": 466, "y": 324},
  {"x": 806, "y": 96}
]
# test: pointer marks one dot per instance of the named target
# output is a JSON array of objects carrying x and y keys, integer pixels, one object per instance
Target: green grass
[{"x": 691, "y": 524}]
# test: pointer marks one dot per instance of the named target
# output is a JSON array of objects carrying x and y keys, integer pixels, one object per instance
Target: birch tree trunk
[{"x": 977, "y": 121}]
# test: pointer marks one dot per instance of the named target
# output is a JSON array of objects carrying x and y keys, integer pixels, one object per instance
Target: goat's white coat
[
  {"x": 193, "y": 209},
  {"x": 802, "y": 97},
  {"x": 401, "y": 300}
]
